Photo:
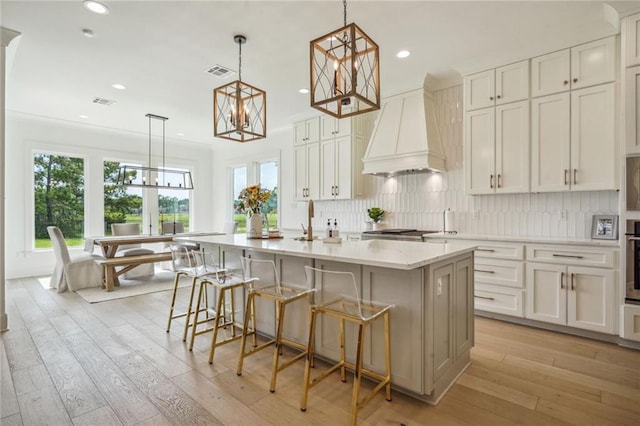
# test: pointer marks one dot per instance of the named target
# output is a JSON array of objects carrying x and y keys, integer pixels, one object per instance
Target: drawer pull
[
  {"x": 483, "y": 297},
  {"x": 568, "y": 255},
  {"x": 561, "y": 280},
  {"x": 489, "y": 250},
  {"x": 481, "y": 270}
]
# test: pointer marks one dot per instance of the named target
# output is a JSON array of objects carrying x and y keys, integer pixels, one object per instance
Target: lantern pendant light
[
  {"x": 239, "y": 109},
  {"x": 345, "y": 73}
]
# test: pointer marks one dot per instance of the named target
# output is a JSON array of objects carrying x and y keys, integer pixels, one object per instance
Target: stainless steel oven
[{"x": 633, "y": 262}]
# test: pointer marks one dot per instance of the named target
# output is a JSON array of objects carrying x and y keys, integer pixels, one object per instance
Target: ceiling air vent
[
  {"x": 103, "y": 101},
  {"x": 220, "y": 71}
]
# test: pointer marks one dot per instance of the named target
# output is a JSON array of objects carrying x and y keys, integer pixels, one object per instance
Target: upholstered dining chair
[
  {"x": 172, "y": 228},
  {"x": 72, "y": 273},
  {"x": 144, "y": 270},
  {"x": 230, "y": 227}
]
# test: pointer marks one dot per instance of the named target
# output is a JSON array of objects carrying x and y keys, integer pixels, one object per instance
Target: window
[
  {"x": 122, "y": 204},
  {"x": 58, "y": 198},
  {"x": 239, "y": 182},
  {"x": 173, "y": 207},
  {"x": 268, "y": 178}
]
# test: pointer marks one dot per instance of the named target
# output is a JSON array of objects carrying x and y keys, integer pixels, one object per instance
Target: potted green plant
[{"x": 376, "y": 214}]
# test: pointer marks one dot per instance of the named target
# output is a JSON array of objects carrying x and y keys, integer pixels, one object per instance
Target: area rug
[{"x": 161, "y": 281}]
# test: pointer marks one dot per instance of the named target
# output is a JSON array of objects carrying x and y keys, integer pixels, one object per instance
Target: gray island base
[{"x": 430, "y": 284}]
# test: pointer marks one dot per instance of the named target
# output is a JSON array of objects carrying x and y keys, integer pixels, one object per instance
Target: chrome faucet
[{"x": 309, "y": 227}]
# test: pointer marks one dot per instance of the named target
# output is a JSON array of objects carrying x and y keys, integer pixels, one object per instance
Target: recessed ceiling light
[
  {"x": 96, "y": 7},
  {"x": 118, "y": 86},
  {"x": 303, "y": 91},
  {"x": 83, "y": 116},
  {"x": 180, "y": 134},
  {"x": 403, "y": 54},
  {"x": 88, "y": 33}
]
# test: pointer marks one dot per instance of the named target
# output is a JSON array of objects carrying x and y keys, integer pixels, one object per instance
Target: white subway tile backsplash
[{"x": 418, "y": 200}]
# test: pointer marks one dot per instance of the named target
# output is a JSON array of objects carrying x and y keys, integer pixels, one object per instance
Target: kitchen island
[{"x": 430, "y": 284}]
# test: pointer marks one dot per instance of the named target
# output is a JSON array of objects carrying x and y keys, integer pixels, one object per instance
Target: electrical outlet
[
  {"x": 476, "y": 214},
  {"x": 563, "y": 215}
]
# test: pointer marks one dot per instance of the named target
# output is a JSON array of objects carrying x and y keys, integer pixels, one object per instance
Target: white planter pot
[{"x": 377, "y": 226}]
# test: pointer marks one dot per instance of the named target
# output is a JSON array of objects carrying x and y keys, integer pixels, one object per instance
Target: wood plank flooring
[{"x": 65, "y": 361}]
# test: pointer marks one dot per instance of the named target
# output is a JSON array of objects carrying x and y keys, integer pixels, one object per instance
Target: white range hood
[{"x": 405, "y": 137}]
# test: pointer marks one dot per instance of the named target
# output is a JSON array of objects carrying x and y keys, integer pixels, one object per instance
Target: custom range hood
[{"x": 406, "y": 138}]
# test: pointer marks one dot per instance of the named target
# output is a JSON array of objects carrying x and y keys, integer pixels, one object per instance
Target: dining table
[{"x": 110, "y": 244}]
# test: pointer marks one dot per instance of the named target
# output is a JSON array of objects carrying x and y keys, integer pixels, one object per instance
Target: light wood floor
[{"x": 64, "y": 361}]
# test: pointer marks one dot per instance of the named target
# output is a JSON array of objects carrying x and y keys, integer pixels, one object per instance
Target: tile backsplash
[{"x": 419, "y": 200}]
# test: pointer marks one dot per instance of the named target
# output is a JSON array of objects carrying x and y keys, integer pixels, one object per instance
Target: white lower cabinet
[{"x": 576, "y": 296}]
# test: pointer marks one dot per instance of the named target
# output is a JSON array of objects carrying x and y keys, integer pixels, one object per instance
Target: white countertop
[
  {"x": 525, "y": 239},
  {"x": 383, "y": 253}
]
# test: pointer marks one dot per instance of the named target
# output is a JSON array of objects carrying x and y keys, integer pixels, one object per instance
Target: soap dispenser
[
  {"x": 336, "y": 232},
  {"x": 328, "y": 232}
]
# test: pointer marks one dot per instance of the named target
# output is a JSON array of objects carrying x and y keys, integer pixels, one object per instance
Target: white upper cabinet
[
  {"x": 632, "y": 110},
  {"x": 306, "y": 162},
  {"x": 581, "y": 66},
  {"x": 573, "y": 141},
  {"x": 593, "y": 63},
  {"x": 551, "y": 73},
  {"x": 632, "y": 40},
  {"x": 306, "y": 131},
  {"x": 331, "y": 127},
  {"x": 497, "y": 149},
  {"x": 550, "y": 143},
  {"x": 509, "y": 83}
]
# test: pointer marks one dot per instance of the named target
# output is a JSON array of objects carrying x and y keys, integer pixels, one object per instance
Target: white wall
[
  {"x": 418, "y": 201},
  {"x": 28, "y": 133}
]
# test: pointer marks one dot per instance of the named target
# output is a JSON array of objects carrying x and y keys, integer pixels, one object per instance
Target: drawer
[
  {"x": 500, "y": 300},
  {"x": 499, "y": 272},
  {"x": 603, "y": 258},
  {"x": 499, "y": 250}
]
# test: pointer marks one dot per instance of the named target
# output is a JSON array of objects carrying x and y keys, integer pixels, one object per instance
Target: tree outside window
[
  {"x": 58, "y": 198},
  {"x": 122, "y": 204}
]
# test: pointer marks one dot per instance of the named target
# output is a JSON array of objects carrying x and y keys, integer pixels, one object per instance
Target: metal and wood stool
[
  {"x": 224, "y": 284},
  {"x": 185, "y": 264},
  {"x": 337, "y": 296},
  {"x": 262, "y": 280}
]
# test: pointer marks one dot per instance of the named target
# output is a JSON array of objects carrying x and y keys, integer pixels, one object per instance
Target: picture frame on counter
[{"x": 604, "y": 227}]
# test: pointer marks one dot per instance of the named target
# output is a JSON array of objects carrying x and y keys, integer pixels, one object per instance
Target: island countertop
[{"x": 384, "y": 253}]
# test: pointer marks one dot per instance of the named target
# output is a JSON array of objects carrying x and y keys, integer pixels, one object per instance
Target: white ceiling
[{"x": 160, "y": 50}]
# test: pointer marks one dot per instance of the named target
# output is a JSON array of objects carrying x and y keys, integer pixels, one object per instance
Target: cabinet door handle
[
  {"x": 565, "y": 82},
  {"x": 486, "y": 271},
  {"x": 575, "y": 80},
  {"x": 561, "y": 279},
  {"x": 499, "y": 181},
  {"x": 490, "y": 98},
  {"x": 483, "y": 297},
  {"x": 572, "y": 256},
  {"x": 498, "y": 97},
  {"x": 565, "y": 176},
  {"x": 482, "y": 249},
  {"x": 336, "y": 190},
  {"x": 575, "y": 178},
  {"x": 491, "y": 181},
  {"x": 572, "y": 286}
]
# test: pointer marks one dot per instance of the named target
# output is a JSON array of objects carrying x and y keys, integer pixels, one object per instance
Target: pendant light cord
[
  {"x": 344, "y": 3},
  {"x": 149, "y": 164},
  {"x": 240, "y": 61}
]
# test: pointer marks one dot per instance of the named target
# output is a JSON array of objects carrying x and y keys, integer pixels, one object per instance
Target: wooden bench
[{"x": 110, "y": 275}]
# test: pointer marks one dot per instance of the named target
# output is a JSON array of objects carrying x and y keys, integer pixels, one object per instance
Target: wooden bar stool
[
  {"x": 262, "y": 280},
  {"x": 337, "y": 296}
]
